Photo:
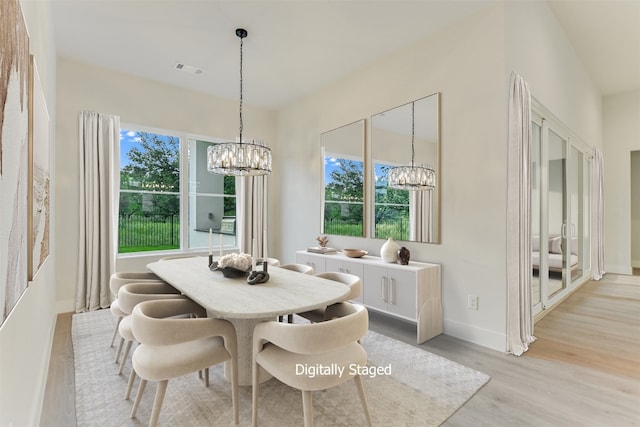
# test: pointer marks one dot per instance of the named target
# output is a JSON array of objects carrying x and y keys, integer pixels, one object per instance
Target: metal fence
[{"x": 148, "y": 231}]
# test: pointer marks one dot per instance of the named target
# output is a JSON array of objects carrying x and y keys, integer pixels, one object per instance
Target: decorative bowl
[
  {"x": 354, "y": 253},
  {"x": 229, "y": 272}
]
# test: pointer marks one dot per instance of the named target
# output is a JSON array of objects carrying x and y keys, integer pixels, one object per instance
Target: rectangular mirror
[
  {"x": 401, "y": 214},
  {"x": 343, "y": 180}
]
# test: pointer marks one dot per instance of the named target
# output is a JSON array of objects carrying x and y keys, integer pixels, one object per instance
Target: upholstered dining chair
[
  {"x": 299, "y": 268},
  {"x": 116, "y": 281},
  {"x": 351, "y": 280},
  {"x": 173, "y": 345},
  {"x": 280, "y": 347},
  {"x": 131, "y": 295},
  {"x": 273, "y": 262}
]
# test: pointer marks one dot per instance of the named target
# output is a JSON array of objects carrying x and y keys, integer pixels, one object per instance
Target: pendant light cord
[
  {"x": 241, "y": 124},
  {"x": 413, "y": 132}
]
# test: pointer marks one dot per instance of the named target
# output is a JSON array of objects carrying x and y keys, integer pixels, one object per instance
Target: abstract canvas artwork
[
  {"x": 14, "y": 131},
  {"x": 39, "y": 138}
]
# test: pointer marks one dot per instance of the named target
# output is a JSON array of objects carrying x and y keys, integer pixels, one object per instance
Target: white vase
[{"x": 389, "y": 251}]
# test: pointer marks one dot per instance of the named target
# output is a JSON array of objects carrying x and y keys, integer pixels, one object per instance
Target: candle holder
[{"x": 256, "y": 277}]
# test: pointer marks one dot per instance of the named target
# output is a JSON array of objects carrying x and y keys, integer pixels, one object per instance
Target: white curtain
[
  {"x": 251, "y": 194},
  {"x": 597, "y": 209},
  {"x": 99, "y": 147},
  {"x": 519, "y": 312},
  {"x": 420, "y": 216}
]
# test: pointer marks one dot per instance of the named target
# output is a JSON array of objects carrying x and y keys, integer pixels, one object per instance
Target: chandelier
[
  {"x": 412, "y": 178},
  {"x": 239, "y": 158}
]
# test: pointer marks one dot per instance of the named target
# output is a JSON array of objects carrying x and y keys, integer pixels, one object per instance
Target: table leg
[{"x": 244, "y": 333}]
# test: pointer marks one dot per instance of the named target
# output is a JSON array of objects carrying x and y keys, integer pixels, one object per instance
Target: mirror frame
[
  {"x": 362, "y": 125},
  {"x": 436, "y": 165}
]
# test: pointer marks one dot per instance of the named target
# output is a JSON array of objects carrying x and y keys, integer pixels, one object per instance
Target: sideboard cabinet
[{"x": 411, "y": 292}]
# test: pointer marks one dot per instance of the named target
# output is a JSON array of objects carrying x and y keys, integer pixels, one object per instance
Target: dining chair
[
  {"x": 168, "y": 258},
  {"x": 280, "y": 348},
  {"x": 131, "y": 295},
  {"x": 116, "y": 281},
  {"x": 351, "y": 280},
  {"x": 173, "y": 345},
  {"x": 299, "y": 268},
  {"x": 273, "y": 262}
]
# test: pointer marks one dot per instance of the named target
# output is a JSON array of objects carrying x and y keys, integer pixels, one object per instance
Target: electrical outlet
[{"x": 472, "y": 302}]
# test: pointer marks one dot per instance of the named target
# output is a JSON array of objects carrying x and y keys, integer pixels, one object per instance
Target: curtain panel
[
  {"x": 519, "y": 311},
  {"x": 597, "y": 209},
  {"x": 252, "y": 214},
  {"x": 99, "y": 147}
]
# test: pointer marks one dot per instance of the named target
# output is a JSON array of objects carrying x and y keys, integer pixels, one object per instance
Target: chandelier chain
[
  {"x": 241, "y": 124},
  {"x": 413, "y": 132}
]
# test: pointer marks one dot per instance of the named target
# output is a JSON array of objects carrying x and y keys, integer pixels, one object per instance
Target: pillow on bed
[{"x": 555, "y": 245}]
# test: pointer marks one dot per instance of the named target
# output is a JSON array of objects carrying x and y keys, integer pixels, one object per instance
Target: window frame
[{"x": 184, "y": 163}]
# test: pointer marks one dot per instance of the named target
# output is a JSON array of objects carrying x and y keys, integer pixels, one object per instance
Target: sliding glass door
[{"x": 560, "y": 213}]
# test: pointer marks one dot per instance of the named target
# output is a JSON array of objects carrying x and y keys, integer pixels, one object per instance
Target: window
[
  {"x": 343, "y": 196},
  {"x": 168, "y": 199},
  {"x": 391, "y": 207}
]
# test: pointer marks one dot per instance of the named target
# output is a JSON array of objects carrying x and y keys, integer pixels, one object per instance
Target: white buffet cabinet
[{"x": 410, "y": 292}]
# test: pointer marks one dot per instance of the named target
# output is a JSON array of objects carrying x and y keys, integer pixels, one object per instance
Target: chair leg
[
  {"x": 132, "y": 378},
  {"x": 363, "y": 398},
  {"x": 157, "y": 403},
  {"x": 115, "y": 331},
  {"x": 127, "y": 349},
  {"x": 255, "y": 385},
  {"x": 290, "y": 318},
  {"x": 307, "y": 407},
  {"x": 119, "y": 350},
  {"x": 206, "y": 377},
  {"x": 136, "y": 403}
]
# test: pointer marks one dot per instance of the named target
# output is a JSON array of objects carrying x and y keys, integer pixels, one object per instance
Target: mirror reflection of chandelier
[
  {"x": 412, "y": 178},
  {"x": 239, "y": 158}
]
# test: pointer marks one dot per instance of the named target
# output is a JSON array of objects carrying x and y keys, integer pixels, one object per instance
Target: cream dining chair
[
  {"x": 280, "y": 347},
  {"x": 173, "y": 345},
  {"x": 131, "y": 295},
  {"x": 351, "y": 280},
  {"x": 299, "y": 268},
  {"x": 116, "y": 281}
]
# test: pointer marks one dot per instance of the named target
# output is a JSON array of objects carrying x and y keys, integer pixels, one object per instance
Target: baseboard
[
  {"x": 635, "y": 263},
  {"x": 480, "y": 336},
  {"x": 619, "y": 269},
  {"x": 66, "y": 306}
]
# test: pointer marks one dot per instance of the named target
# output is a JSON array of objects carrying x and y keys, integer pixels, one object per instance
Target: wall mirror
[
  {"x": 400, "y": 214},
  {"x": 343, "y": 192}
]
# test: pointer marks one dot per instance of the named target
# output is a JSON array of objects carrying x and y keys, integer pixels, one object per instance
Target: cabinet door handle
[
  {"x": 383, "y": 289},
  {"x": 392, "y": 291}
]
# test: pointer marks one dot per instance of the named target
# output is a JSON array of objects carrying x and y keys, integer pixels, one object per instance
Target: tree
[
  {"x": 345, "y": 186},
  {"x": 391, "y": 204},
  {"x": 154, "y": 165}
]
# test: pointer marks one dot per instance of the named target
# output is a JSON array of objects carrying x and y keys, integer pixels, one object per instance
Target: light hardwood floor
[{"x": 583, "y": 370}]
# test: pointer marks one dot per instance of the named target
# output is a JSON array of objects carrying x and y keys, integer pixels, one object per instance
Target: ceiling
[{"x": 295, "y": 48}]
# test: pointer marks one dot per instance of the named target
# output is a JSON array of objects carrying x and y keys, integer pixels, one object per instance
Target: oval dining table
[{"x": 246, "y": 305}]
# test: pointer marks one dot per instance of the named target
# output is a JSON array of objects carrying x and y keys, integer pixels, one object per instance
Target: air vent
[{"x": 181, "y": 66}]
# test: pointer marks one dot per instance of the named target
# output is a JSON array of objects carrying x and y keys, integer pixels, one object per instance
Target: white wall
[
  {"x": 621, "y": 137},
  {"x": 635, "y": 209},
  {"x": 470, "y": 64},
  {"x": 136, "y": 101},
  {"x": 26, "y": 335},
  {"x": 466, "y": 64}
]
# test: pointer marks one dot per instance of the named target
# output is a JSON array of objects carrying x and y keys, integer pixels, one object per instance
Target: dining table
[{"x": 244, "y": 305}]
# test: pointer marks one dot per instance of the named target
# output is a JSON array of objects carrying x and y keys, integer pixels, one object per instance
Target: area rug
[{"x": 422, "y": 389}]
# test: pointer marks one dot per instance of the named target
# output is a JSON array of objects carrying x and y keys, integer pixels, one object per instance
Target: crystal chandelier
[
  {"x": 412, "y": 178},
  {"x": 239, "y": 158}
]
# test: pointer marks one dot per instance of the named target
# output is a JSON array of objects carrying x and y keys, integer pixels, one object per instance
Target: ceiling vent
[{"x": 181, "y": 66}]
